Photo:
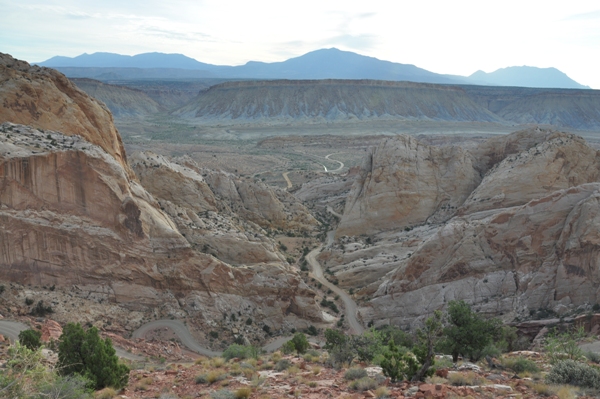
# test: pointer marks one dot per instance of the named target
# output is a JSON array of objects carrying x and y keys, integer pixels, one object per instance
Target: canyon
[{"x": 156, "y": 202}]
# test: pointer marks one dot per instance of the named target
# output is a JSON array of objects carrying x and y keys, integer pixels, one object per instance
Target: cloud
[
  {"x": 357, "y": 42},
  {"x": 174, "y": 35},
  {"x": 583, "y": 16}
]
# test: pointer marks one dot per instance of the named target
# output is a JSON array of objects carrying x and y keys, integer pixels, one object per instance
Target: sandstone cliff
[
  {"x": 72, "y": 215},
  {"x": 46, "y": 99},
  {"x": 520, "y": 232},
  {"x": 225, "y": 222},
  {"x": 403, "y": 183}
]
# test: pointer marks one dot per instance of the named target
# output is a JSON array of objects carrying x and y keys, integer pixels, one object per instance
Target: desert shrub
[
  {"x": 382, "y": 392},
  {"x": 288, "y": 347},
  {"x": 85, "y": 353},
  {"x": 202, "y": 379},
  {"x": 312, "y": 330},
  {"x": 464, "y": 379},
  {"x": 243, "y": 393},
  {"x": 41, "y": 310},
  {"x": 30, "y": 338},
  {"x": 521, "y": 365},
  {"x": 564, "y": 345},
  {"x": 241, "y": 352},
  {"x": 543, "y": 389},
  {"x": 214, "y": 334},
  {"x": 398, "y": 365},
  {"x": 282, "y": 365},
  {"x": 67, "y": 387},
  {"x": 222, "y": 394},
  {"x": 363, "y": 384},
  {"x": 593, "y": 357},
  {"x": 29, "y": 301},
  {"x": 355, "y": 374},
  {"x": 2, "y": 289},
  {"x": 106, "y": 393},
  {"x": 300, "y": 342},
  {"x": 215, "y": 376},
  {"x": 574, "y": 373}
]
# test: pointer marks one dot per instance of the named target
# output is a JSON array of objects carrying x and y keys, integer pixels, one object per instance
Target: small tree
[
  {"x": 31, "y": 339},
  {"x": 300, "y": 343},
  {"x": 428, "y": 337},
  {"x": 398, "y": 365},
  {"x": 468, "y": 333},
  {"x": 85, "y": 353}
]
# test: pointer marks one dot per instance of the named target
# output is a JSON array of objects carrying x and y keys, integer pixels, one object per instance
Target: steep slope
[
  {"x": 226, "y": 223},
  {"x": 403, "y": 183},
  {"x": 523, "y": 237},
  {"x": 72, "y": 216},
  {"x": 333, "y": 100},
  {"x": 121, "y": 101},
  {"x": 44, "y": 98},
  {"x": 577, "y": 109}
]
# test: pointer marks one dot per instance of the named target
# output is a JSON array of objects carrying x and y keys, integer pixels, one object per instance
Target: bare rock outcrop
[
  {"x": 51, "y": 331},
  {"x": 73, "y": 215},
  {"x": 525, "y": 238},
  {"x": 46, "y": 99},
  {"x": 403, "y": 183}
]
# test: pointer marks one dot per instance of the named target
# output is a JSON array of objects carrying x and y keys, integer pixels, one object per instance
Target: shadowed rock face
[
  {"x": 71, "y": 214},
  {"x": 521, "y": 232}
]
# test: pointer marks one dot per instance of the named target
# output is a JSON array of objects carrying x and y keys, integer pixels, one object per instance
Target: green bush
[
  {"x": 41, "y": 310},
  {"x": 398, "y": 365},
  {"x": 355, "y": 374},
  {"x": 521, "y": 365},
  {"x": 241, "y": 352},
  {"x": 564, "y": 345},
  {"x": 574, "y": 373},
  {"x": 66, "y": 387},
  {"x": 363, "y": 384},
  {"x": 288, "y": 347},
  {"x": 468, "y": 333},
  {"x": 85, "y": 353},
  {"x": 282, "y": 365},
  {"x": 222, "y": 394},
  {"x": 30, "y": 338},
  {"x": 300, "y": 343}
]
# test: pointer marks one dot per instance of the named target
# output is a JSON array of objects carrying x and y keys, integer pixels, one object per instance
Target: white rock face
[
  {"x": 525, "y": 236},
  {"x": 404, "y": 183}
]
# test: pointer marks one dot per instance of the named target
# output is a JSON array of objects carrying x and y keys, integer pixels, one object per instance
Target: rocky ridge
[
  {"x": 510, "y": 227},
  {"x": 73, "y": 214}
]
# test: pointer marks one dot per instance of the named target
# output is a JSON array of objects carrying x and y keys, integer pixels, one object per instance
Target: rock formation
[
  {"x": 72, "y": 214},
  {"x": 518, "y": 231},
  {"x": 403, "y": 183},
  {"x": 44, "y": 98},
  {"x": 219, "y": 213}
]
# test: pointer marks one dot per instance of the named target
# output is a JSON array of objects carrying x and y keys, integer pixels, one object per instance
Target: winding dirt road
[
  {"x": 11, "y": 329},
  {"x": 351, "y": 308}
]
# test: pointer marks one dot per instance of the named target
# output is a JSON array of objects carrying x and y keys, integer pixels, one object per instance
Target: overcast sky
[{"x": 454, "y": 37}]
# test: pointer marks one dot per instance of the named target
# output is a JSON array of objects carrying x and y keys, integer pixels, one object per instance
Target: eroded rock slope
[
  {"x": 72, "y": 213},
  {"x": 510, "y": 226}
]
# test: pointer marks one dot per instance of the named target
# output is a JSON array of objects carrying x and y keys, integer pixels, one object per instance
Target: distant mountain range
[{"x": 320, "y": 64}]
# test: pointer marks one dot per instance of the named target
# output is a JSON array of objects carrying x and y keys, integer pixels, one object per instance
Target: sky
[{"x": 452, "y": 37}]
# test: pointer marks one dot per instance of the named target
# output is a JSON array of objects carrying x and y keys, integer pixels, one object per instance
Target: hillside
[
  {"x": 122, "y": 101},
  {"x": 331, "y": 100},
  {"x": 525, "y": 76},
  {"x": 74, "y": 213}
]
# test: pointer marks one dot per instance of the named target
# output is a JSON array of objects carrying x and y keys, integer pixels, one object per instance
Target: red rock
[
  {"x": 442, "y": 373},
  {"x": 51, "y": 330}
]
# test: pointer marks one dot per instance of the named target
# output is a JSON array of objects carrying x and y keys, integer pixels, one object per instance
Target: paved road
[
  {"x": 351, "y": 308},
  {"x": 186, "y": 338},
  {"x": 11, "y": 329}
]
